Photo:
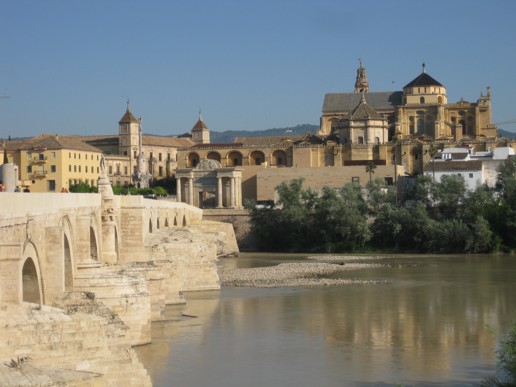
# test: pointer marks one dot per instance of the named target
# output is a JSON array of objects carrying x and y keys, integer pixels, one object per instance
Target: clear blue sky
[{"x": 69, "y": 66}]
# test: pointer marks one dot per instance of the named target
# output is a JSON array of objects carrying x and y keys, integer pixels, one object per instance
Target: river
[{"x": 435, "y": 322}]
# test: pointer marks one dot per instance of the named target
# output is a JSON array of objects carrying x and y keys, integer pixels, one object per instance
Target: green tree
[
  {"x": 370, "y": 169},
  {"x": 82, "y": 188}
]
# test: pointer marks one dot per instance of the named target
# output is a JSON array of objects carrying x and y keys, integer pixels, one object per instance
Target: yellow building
[{"x": 50, "y": 163}]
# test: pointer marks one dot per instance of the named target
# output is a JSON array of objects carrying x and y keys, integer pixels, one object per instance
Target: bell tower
[
  {"x": 128, "y": 133},
  {"x": 361, "y": 84},
  {"x": 200, "y": 132}
]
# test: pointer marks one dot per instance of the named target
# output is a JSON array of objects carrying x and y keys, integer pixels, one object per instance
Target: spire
[
  {"x": 361, "y": 84},
  {"x": 424, "y": 68},
  {"x": 6, "y": 160}
]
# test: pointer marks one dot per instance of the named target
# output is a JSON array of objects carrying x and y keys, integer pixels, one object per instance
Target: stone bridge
[
  {"x": 82, "y": 276},
  {"x": 46, "y": 239}
]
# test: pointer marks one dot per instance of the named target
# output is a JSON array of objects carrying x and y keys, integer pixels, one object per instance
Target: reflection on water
[{"x": 435, "y": 323}]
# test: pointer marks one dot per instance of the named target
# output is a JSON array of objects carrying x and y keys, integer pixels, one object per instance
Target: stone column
[
  {"x": 178, "y": 189},
  {"x": 238, "y": 192},
  {"x": 190, "y": 191},
  {"x": 219, "y": 192},
  {"x": 232, "y": 192}
]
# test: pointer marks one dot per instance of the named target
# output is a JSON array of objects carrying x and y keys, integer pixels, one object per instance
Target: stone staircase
[{"x": 93, "y": 346}]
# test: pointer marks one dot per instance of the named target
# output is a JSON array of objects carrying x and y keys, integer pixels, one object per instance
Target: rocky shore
[{"x": 311, "y": 273}]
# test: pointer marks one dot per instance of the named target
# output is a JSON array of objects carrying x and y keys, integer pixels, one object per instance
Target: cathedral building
[{"x": 420, "y": 111}]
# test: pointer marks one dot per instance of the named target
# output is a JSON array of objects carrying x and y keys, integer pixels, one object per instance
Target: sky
[{"x": 69, "y": 66}]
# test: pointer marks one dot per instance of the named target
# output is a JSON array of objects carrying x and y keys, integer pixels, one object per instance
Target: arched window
[
  {"x": 420, "y": 126},
  {"x": 279, "y": 158},
  {"x": 150, "y": 225},
  {"x": 256, "y": 158},
  {"x": 193, "y": 160},
  {"x": 213, "y": 156},
  {"x": 234, "y": 159}
]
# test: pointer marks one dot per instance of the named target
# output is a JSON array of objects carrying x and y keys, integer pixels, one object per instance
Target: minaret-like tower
[
  {"x": 200, "y": 132},
  {"x": 361, "y": 84}
]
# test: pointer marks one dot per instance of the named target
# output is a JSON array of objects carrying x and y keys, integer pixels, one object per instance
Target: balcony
[
  {"x": 38, "y": 160},
  {"x": 38, "y": 175}
]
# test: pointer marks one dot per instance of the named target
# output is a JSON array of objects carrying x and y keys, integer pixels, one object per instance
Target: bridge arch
[
  {"x": 68, "y": 254},
  {"x": 30, "y": 276}
]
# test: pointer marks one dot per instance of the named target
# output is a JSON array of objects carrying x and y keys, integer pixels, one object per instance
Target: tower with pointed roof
[
  {"x": 361, "y": 84},
  {"x": 128, "y": 131},
  {"x": 200, "y": 132}
]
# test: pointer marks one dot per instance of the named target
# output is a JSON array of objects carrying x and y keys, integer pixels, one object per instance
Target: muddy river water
[{"x": 432, "y": 320}]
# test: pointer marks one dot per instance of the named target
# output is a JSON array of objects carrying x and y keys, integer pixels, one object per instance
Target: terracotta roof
[
  {"x": 54, "y": 141},
  {"x": 345, "y": 102},
  {"x": 128, "y": 117},
  {"x": 167, "y": 141},
  {"x": 199, "y": 125}
]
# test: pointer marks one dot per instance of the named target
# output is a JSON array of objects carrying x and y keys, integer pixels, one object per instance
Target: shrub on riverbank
[{"x": 434, "y": 216}]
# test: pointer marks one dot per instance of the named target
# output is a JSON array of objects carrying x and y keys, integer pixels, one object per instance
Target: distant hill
[
  {"x": 230, "y": 135},
  {"x": 506, "y": 134}
]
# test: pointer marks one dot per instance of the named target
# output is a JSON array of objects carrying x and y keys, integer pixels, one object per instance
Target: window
[
  {"x": 110, "y": 170},
  {"x": 355, "y": 180},
  {"x": 360, "y": 139},
  {"x": 389, "y": 181},
  {"x": 53, "y": 155},
  {"x": 160, "y": 170},
  {"x": 69, "y": 167},
  {"x": 134, "y": 154},
  {"x": 29, "y": 169},
  {"x": 159, "y": 156},
  {"x": 75, "y": 155},
  {"x": 79, "y": 156},
  {"x": 125, "y": 170},
  {"x": 118, "y": 169},
  {"x": 125, "y": 153},
  {"x": 422, "y": 100},
  {"x": 471, "y": 176},
  {"x": 168, "y": 156},
  {"x": 75, "y": 168},
  {"x": 97, "y": 169},
  {"x": 79, "y": 168},
  {"x": 51, "y": 185},
  {"x": 42, "y": 156},
  {"x": 53, "y": 168}
]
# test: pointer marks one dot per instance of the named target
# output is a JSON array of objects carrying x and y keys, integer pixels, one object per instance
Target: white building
[{"x": 476, "y": 168}]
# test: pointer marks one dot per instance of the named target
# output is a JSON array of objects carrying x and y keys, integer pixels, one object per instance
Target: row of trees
[{"x": 440, "y": 217}]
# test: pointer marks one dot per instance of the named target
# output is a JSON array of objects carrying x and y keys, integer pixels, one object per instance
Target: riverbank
[{"x": 313, "y": 272}]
